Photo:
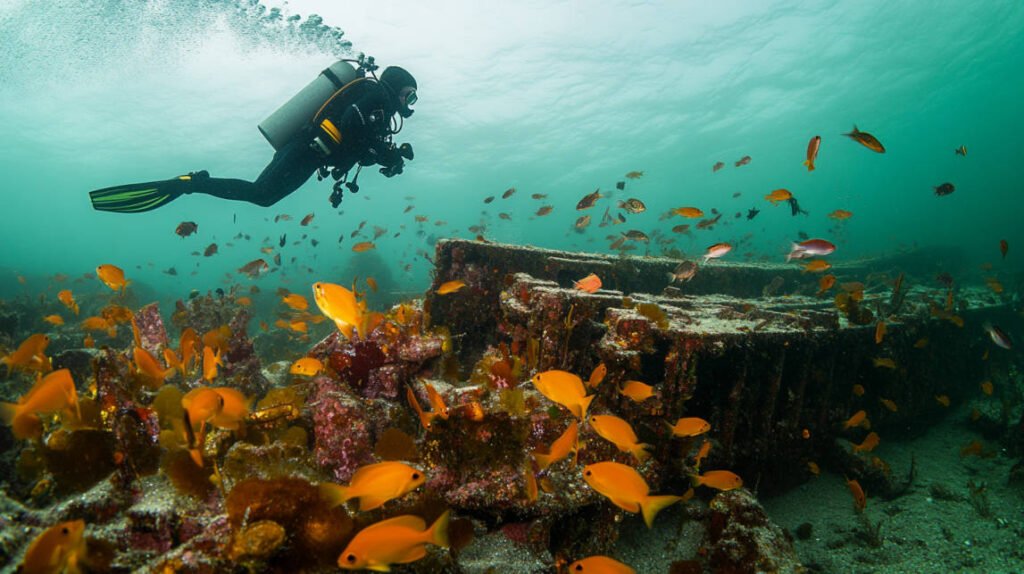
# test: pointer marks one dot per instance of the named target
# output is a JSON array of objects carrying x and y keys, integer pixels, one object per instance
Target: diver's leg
[{"x": 289, "y": 169}]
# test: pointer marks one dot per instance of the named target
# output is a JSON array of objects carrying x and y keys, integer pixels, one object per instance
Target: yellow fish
[
  {"x": 597, "y": 375},
  {"x": 869, "y": 443},
  {"x": 234, "y": 408},
  {"x": 307, "y": 367},
  {"x": 625, "y": 488},
  {"x": 397, "y": 540},
  {"x": 426, "y": 419},
  {"x": 620, "y": 433},
  {"x": 600, "y": 565},
  {"x": 637, "y": 391},
  {"x": 375, "y": 484},
  {"x": 29, "y": 354},
  {"x": 564, "y": 388},
  {"x": 187, "y": 347},
  {"x": 211, "y": 361},
  {"x": 58, "y": 549},
  {"x": 202, "y": 404},
  {"x": 689, "y": 426},
  {"x": 560, "y": 449},
  {"x": 54, "y": 393},
  {"x": 113, "y": 277},
  {"x": 450, "y": 287},
  {"x": 858, "y": 418},
  {"x": 718, "y": 479}
]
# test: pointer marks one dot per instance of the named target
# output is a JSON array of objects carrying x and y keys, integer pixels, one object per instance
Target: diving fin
[{"x": 139, "y": 197}]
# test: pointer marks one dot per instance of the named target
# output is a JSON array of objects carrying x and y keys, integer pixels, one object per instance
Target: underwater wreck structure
[{"x": 760, "y": 351}]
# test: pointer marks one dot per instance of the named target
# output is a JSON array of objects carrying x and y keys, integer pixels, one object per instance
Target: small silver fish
[{"x": 683, "y": 272}]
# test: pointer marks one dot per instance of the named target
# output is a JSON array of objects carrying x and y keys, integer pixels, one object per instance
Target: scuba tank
[{"x": 287, "y": 120}]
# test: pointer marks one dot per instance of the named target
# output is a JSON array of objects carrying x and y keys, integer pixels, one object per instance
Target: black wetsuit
[{"x": 362, "y": 115}]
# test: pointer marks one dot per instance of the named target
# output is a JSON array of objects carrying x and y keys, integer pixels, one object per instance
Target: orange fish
[
  {"x": 211, "y": 361},
  {"x": 65, "y": 297},
  {"x": 372, "y": 283},
  {"x": 307, "y": 367},
  {"x": 625, "y": 488},
  {"x": 884, "y": 362},
  {"x": 813, "y": 467},
  {"x": 564, "y": 388},
  {"x": 295, "y": 301},
  {"x": 187, "y": 347},
  {"x": 1004, "y": 246},
  {"x": 113, "y": 277},
  {"x": 560, "y": 449},
  {"x": 437, "y": 403},
  {"x": 217, "y": 338},
  {"x": 637, "y": 391},
  {"x": 600, "y": 565},
  {"x": 880, "y": 330},
  {"x": 375, "y": 484},
  {"x": 841, "y": 214},
  {"x": 57, "y": 549},
  {"x": 590, "y": 284},
  {"x": 858, "y": 418},
  {"x": 341, "y": 306},
  {"x": 702, "y": 453},
  {"x": 860, "y": 500},
  {"x": 688, "y": 212},
  {"x": 55, "y": 320},
  {"x": 54, "y": 393},
  {"x": 942, "y": 400},
  {"x": 234, "y": 408},
  {"x": 718, "y": 479},
  {"x": 597, "y": 375},
  {"x": 363, "y": 246},
  {"x": 30, "y": 354},
  {"x": 869, "y": 443},
  {"x": 88, "y": 342},
  {"x": 812, "y": 152},
  {"x": 987, "y": 388},
  {"x": 689, "y": 426},
  {"x": 717, "y": 250},
  {"x": 397, "y": 540},
  {"x": 147, "y": 366},
  {"x": 244, "y": 301},
  {"x": 865, "y": 139},
  {"x": 921, "y": 343},
  {"x": 618, "y": 432},
  {"x": 825, "y": 283},
  {"x": 450, "y": 287},
  {"x": 858, "y": 390},
  {"x": 817, "y": 266},
  {"x": 779, "y": 195},
  {"x": 426, "y": 418},
  {"x": 889, "y": 405},
  {"x": 634, "y": 175}
]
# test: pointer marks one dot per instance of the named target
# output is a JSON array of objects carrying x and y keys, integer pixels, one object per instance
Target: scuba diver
[{"x": 342, "y": 119}]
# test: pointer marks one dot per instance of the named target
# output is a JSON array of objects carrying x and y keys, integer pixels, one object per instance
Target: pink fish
[
  {"x": 717, "y": 250},
  {"x": 810, "y": 248}
]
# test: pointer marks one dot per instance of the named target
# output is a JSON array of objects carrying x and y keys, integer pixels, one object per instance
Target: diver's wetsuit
[
  {"x": 363, "y": 119},
  {"x": 361, "y": 115}
]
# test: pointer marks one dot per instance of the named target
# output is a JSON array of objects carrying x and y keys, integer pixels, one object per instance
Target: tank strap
[{"x": 338, "y": 92}]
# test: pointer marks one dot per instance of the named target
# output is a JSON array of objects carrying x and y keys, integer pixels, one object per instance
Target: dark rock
[
  {"x": 741, "y": 537},
  {"x": 79, "y": 362}
]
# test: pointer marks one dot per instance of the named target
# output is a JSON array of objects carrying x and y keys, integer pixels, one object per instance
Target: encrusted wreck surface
[{"x": 773, "y": 373}]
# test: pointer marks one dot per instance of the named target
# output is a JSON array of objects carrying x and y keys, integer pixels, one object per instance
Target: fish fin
[
  {"x": 652, "y": 505},
  {"x": 810, "y": 166},
  {"x": 543, "y": 460},
  {"x": 197, "y": 456},
  {"x": 335, "y": 494},
  {"x": 438, "y": 533},
  {"x": 639, "y": 450},
  {"x": 584, "y": 405},
  {"x": 369, "y": 502},
  {"x": 8, "y": 412},
  {"x": 794, "y": 249}
]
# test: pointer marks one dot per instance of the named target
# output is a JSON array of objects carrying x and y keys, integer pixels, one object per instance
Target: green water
[{"x": 553, "y": 98}]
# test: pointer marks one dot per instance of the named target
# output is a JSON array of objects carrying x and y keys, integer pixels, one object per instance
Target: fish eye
[
  {"x": 578, "y": 568},
  {"x": 415, "y": 476},
  {"x": 65, "y": 531},
  {"x": 586, "y": 473},
  {"x": 351, "y": 558}
]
